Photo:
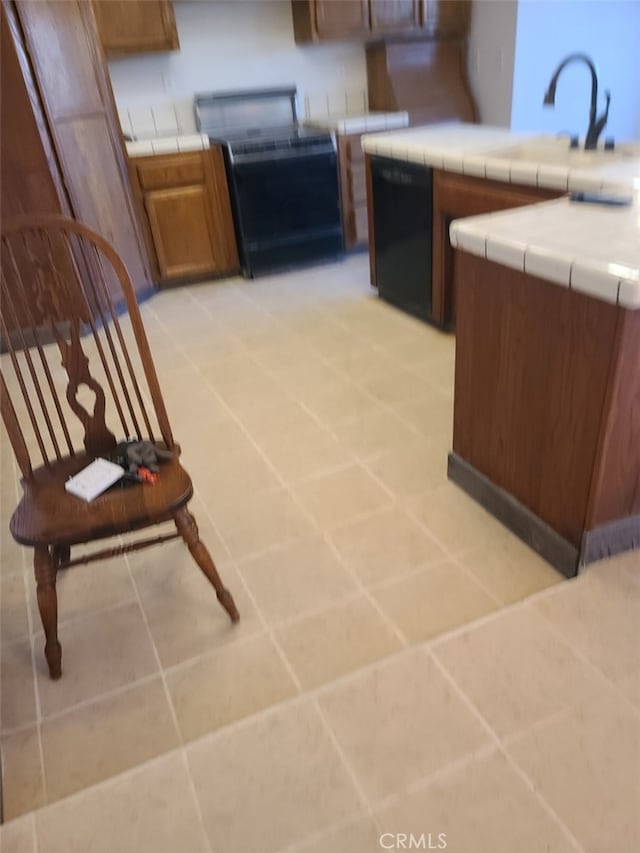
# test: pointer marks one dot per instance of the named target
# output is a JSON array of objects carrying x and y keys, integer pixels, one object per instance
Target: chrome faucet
[{"x": 596, "y": 125}]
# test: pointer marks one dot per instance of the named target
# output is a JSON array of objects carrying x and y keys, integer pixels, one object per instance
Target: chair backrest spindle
[{"x": 67, "y": 300}]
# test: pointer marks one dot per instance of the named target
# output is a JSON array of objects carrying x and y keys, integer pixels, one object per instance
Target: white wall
[
  {"x": 492, "y": 40},
  {"x": 606, "y": 30},
  {"x": 233, "y": 45}
]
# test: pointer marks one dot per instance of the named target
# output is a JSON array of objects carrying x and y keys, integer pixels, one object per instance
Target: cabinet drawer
[
  {"x": 357, "y": 183},
  {"x": 173, "y": 171}
]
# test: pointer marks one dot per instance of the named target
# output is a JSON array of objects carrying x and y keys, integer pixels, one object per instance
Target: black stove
[
  {"x": 283, "y": 178},
  {"x": 290, "y": 140}
]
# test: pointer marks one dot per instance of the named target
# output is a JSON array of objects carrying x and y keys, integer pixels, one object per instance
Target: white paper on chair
[{"x": 94, "y": 479}]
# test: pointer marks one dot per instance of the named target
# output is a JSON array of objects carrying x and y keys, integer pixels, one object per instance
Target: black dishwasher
[{"x": 403, "y": 218}]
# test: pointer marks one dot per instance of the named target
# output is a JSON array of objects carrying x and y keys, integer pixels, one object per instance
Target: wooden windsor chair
[{"x": 66, "y": 301}]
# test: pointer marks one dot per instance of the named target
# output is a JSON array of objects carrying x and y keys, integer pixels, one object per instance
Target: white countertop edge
[
  {"x": 366, "y": 123},
  {"x": 592, "y": 278},
  {"x": 167, "y": 145},
  {"x": 476, "y": 150}
]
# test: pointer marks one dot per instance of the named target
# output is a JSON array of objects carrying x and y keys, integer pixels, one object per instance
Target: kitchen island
[
  {"x": 473, "y": 169},
  {"x": 547, "y": 384}
]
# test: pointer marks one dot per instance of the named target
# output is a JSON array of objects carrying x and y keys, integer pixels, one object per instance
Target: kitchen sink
[{"x": 556, "y": 151}]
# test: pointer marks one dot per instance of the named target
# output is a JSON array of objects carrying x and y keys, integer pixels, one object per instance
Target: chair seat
[{"x": 49, "y": 515}]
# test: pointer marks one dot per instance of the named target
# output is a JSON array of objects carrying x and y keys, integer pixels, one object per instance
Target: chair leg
[
  {"x": 45, "y": 571},
  {"x": 188, "y": 529}
]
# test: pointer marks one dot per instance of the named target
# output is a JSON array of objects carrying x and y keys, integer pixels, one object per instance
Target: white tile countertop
[
  {"x": 167, "y": 145},
  {"x": 366, "y": 123},
  {"x": 588, "y": 247},
  {"x": 500, "y": 154}
]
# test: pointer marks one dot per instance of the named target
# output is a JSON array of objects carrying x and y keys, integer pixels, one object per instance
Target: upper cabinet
[
  {"x": 446, "y": 18},
  {"x": 337, "y": 19},
  {"x": 367, "y": 20},
  {"x": 136, "y": 26},
  {"x": 394, "y": 15}
]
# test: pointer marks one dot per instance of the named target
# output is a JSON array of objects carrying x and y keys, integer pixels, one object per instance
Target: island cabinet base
[{"x": 547, "y": 412}]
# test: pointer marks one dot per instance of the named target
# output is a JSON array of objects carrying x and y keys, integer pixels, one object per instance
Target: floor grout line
[
  {"x": 589, "y": 662},
  {"x": 495, "y": 738},
  {"x": 194, "y": 796},
  {"x": 313, "y": 695},
  {"x": 156, "y": 654}
]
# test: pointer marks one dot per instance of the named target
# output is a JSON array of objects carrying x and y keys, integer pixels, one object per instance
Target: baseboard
[
  {"x": 607, "y": 540},
  {"x": 527, "y": 526}
]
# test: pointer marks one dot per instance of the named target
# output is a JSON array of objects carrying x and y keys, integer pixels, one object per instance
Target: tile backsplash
[
  {"x": 172, "y": 118},
  {"x": 175, "y": 118},
  {"x": 352, "y": 102}
]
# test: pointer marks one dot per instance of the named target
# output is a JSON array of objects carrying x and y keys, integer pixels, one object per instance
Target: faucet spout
[{"x": 596, "y": 125}]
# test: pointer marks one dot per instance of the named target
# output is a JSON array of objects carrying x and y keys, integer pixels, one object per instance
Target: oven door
[{"x": 287, "y": 209}]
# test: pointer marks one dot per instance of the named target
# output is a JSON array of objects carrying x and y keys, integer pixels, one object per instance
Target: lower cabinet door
[{"x": 182, "y": 231}]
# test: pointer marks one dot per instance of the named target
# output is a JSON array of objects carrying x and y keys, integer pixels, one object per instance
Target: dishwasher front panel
[{"x": 403, "y": 221}]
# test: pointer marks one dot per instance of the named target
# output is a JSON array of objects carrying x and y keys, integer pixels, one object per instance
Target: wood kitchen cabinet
[
  {"x": 61, "y": 145},
  {"x": 446, "y": 18},
  {"x": 456, "y": 196},
  {"x": 353, "y": 190},
  {"x": 187, "y": 213},
  {"x": 136, "y": 26},
  {"x": 329, "y": 20},
  {"x": 334, "y": 19},
  {"x": 546, "y": 412},
  {"x": 394, "y": 15}
]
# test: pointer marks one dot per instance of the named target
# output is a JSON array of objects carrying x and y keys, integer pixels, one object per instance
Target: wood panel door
[
  {"x": 69, "y": 72},
  {"x": 174, "y": 215},
  {"x": 394, "y": 15},
  {"x": 446, "y": 18},
  {"x": 341, "y": 18},
  {"x": 31, "y": 181},
  {"x": 136, "y": 26},
  {"x": 188, "y": 210}
]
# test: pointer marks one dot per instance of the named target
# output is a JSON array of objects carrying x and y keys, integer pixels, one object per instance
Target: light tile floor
[{"x": 403, "y": 664}]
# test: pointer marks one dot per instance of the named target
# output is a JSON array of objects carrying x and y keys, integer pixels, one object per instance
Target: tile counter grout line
[{"x": 475, "y": 711}]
